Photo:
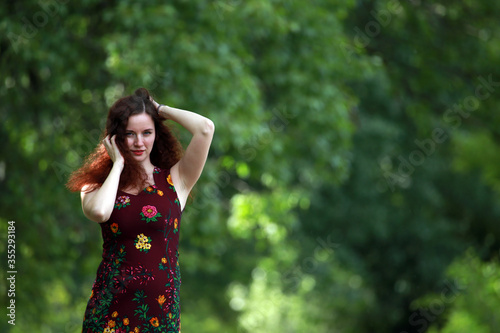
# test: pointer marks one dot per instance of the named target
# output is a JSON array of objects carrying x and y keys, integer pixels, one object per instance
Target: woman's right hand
[
  {"x": 113, "y": 150},
  {"x": 98, "y": 204}
]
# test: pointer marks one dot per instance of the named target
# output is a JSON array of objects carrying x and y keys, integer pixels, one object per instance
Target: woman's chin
[{"x": 140, "y": 158}]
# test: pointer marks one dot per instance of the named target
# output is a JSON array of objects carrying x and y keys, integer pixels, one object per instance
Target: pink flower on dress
[{"x": 150, "y": 213}]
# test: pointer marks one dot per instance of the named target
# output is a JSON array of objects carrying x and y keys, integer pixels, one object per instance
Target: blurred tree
[
  {"x": 474, "y": 307},
  {"x": 422, "y": 188}
]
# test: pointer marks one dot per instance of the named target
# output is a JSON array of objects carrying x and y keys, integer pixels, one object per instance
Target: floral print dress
[{"x": 138, "y": 280}]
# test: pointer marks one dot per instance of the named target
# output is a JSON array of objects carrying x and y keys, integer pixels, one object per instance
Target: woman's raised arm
[
  {"x": 98, "y": 204},
  {"x": 187, "y": 171}
]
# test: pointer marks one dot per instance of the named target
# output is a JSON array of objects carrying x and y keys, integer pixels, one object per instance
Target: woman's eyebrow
[{"x": 148, "y": 129}]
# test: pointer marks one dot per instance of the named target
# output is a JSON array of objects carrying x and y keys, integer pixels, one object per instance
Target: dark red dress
[{"x": 138, "y": 279}]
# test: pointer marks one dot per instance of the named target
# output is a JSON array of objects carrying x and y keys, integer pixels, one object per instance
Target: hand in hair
[
  {"x": 113, "y": 150},
  {"x": 156, "y": 104},
  {"x": 144, "y": 94}
]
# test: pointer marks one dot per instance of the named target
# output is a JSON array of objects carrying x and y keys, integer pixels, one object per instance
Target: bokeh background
[{"x": 352, "y": 186}]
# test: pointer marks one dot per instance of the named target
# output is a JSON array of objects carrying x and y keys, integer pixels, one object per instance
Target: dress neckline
[
  {"x": 151, "y": 185},
  {"x": 128, "y": 193}
]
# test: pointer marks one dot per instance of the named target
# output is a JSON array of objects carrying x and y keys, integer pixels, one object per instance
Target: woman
[{"x": 135, "y": 185}]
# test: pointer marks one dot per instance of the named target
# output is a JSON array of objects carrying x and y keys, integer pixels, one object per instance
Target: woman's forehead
[{"x": 140, "y": 122}]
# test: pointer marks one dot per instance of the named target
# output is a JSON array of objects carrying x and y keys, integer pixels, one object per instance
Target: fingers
[
  {"x": 105, "y": 142},
  {"x": 109, "y": 141},
  {"x": 106, "y": 145},
  {"x": 113, "y": 142},
  {"x": 110, "y": 145},
  {"x": 155, "y": 103},
  {"x": 113, "y": 149}
]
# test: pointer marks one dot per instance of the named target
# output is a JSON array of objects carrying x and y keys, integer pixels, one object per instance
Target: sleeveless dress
[{"x": 138, "y": 279}]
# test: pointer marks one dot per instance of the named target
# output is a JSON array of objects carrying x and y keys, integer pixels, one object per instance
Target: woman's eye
[
  {"x": 130, "y": 134},
  {"x": 147, "y": 133}
]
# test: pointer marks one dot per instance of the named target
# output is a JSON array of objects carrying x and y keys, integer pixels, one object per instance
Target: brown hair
[{"x": 166, "y": 150}]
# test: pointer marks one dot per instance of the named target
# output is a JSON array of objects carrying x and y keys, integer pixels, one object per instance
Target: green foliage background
[{"x": 353, "y": 184}]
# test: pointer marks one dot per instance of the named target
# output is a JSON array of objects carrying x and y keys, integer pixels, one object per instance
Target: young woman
[{"x": 135, "y": 185}]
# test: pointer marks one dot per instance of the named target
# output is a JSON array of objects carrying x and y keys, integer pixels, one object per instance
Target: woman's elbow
[
  {"x": 94, "y": 211},
  {"x": 97, "y": 215},
  {"x": 208, "y": 127}
]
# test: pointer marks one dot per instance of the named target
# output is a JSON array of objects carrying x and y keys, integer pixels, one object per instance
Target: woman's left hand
[{"x": 155, "y": 103}]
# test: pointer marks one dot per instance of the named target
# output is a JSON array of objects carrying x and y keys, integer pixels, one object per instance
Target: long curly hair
[{"x": 166, "y": 150}]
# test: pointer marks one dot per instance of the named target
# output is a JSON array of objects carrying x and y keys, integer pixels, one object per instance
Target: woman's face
[{"x": 140, "y": 136}]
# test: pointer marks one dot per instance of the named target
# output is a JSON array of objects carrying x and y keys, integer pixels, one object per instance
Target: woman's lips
[{"x": 138, "y": 152}]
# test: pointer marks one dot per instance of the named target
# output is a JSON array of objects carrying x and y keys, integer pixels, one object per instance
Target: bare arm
[
  {"x": 98, "y": 204},
  {"x": 188, "y": 170}
]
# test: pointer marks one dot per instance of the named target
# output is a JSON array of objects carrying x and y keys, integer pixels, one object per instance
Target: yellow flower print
[
  {"x": 170, "y": 315},
  {"x": 164, "y": 260},
  {"x": 111, "y": 323},
  {"x": 126, "y": 321},
  {"x": 161, "y": 299},
  {"x": 114, "y": 314},
  {"x": 149, "y": 189},
  {"x": 142, "y": 243},
  {"x": 176, "y": 224},
  {"x": 169, "y": 180},
  {"x": 108, "y": 330},
  {"x": 160, "y": 193},
  {"x": 136, "y": 330}
]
